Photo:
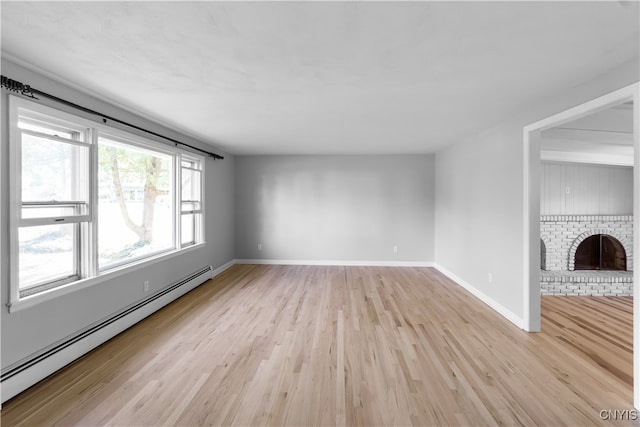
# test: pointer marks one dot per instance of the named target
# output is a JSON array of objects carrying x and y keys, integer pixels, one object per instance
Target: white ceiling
[
  {"x": 605, "y": 138},
  {"x": 323, "y": 77}
]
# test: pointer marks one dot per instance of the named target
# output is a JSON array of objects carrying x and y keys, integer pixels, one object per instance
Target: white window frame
[
  {"x": 125, "y": 138},
  {"x": 86, "y": 244},
  {"x": 198, "y": 226}
]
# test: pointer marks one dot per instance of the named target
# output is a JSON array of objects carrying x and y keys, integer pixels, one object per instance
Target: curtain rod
[{"x": 28, "y": 91}]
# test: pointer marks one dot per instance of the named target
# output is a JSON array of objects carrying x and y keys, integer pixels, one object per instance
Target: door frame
[{"x": 531, "y": 217}]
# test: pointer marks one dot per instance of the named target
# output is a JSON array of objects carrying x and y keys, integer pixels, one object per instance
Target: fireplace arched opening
[{"x": 601, "y": 252}]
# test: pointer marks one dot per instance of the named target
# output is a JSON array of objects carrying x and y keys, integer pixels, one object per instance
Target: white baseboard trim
[
  {"x": 502, "y": 310},
  {"x": 336, "y": 262},
  {"x": 47, "y": 365}
]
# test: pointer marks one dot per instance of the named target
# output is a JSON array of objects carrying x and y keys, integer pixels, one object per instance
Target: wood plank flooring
[
  {"x": 304, "y": 345},
  {"x": 598, "y": 328}
]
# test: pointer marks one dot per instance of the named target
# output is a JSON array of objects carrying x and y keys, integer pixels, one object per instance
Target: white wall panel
[{"x": 581, "y": 189}]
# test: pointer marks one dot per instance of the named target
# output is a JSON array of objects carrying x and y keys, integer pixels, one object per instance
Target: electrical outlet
[
  {"x": 567, "y": 190},
  {"x": 259, "y": 246},
  {"x": 145, "y": 286},
  {"x": 395, "y": 249}
]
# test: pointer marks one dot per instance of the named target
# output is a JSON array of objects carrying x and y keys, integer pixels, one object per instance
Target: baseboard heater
[{"x": 26, "y": 373}]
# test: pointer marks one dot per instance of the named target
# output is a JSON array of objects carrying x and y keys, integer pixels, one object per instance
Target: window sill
[{"x": 50, "y": 294}]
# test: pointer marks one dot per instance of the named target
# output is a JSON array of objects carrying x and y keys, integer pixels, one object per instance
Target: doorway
[{"x": 531, "y": 221}]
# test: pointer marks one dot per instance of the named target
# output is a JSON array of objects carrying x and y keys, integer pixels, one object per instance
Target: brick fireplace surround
[{"x": 561, "y": 235}]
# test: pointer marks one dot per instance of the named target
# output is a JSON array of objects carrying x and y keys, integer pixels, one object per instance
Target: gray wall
[
  {"x": 29, "y": 330},
  {"x": 479, "y": 195},
  {"x": 346, "y": 208},
  {"x": 580, "y": 189}
]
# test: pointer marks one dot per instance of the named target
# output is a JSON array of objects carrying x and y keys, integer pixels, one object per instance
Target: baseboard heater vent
[{"x": 33, "y": 369}]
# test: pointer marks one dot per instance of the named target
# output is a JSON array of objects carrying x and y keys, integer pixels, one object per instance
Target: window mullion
[
  {"x": 77, "y": 170},
  {"x": 92, "y": 227},
  {"x": 177, "y": 211},
  {"x": 15, "y": 197},
  {"x": 33, "y": 222},
  {"x": 199, "y": 226},
  {"x": 191, "y": 169},
  {"x": 77, "y": 250},
  {"x": 54, "y": 203}
]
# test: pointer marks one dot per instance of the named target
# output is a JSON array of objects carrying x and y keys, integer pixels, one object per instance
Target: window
[
  {"x": 53, "y": 207},
  {"x": 87, "y": 200},
  {"x": 134, "y": 197},
  {"x": 190, "y": 200}
]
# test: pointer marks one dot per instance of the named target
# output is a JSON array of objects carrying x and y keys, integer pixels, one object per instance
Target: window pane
[
  {"x": 135, "y": 209},
  {"x": 190, "y": 185},
  {"x": 50, "y": 169},
  {"x": 188, "y": 229},
  {"x": 45, "y": 254}
]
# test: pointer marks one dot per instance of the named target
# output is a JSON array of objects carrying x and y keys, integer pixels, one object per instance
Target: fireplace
[
  {"x": 600, "y": 252},
  {"x": 586, "y": 255},
  {"x": 562, "y": 234}
]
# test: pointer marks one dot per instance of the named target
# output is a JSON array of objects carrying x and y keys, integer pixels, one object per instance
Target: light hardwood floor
[{"x": 303, "y": 345}]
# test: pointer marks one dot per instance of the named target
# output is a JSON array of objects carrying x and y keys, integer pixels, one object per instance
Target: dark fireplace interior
[{"x": 601, "y": 252}]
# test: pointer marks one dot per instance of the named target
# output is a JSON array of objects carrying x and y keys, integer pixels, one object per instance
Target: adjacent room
[
  {"x": 586, "y": 205},
  {"x": 319, "y": 213},
  {"x": 586, "y": 234}
]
